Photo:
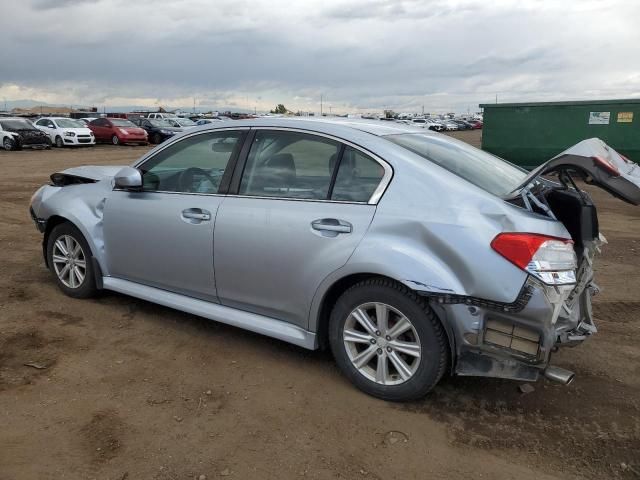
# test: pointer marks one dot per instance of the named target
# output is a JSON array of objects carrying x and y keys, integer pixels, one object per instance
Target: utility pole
[
  {"x": 194, "y": 105},
  {"x": 320, "y": 104},
  {"x": 423, "y": 110},
  {"x": 496, "y": 98}
]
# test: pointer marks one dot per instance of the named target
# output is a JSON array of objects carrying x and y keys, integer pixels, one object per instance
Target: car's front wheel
[
  {"x": 59, "y": 142},
  {"x": 7, "y": 144},
  {"x": 388, "y": 341},
  {"x": 69, "y": 258},
  {"x": 115, "y": 140}
]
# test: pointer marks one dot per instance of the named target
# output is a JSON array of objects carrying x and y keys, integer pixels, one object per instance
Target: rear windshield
[
  {"x": 121, "y": 122},
  {"x": 484, "y": 170}
]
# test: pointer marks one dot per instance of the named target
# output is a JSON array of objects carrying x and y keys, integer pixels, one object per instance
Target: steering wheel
[{"x": 185, "y": 180}]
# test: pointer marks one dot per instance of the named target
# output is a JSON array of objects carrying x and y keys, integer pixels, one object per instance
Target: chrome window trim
[
  {"x": 377, "y": 193},
  {"x": 373, "y": 200},
  {"x": 241, "y": 196}
]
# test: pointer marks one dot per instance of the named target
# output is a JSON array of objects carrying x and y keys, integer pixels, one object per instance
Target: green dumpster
[{"x": 528, "y": 134}]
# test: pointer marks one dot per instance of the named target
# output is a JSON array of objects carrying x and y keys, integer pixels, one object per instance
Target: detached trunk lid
[{"x": 598, "y": 164}]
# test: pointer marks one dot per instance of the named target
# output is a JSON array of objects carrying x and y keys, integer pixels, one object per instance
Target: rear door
[
  {"x": 99, "y": 127},
  {"x": 302, "y": 204},
  {"x": 162, "y": 236}
]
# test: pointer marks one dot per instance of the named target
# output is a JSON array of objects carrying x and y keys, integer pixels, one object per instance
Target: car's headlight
[
  {"x": 91, "y": 133},
  {"x": 124, "y": 132},
  {"x": 69, "y": 134}
]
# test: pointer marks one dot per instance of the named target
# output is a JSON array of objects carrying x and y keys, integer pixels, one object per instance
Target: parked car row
[{"x": 440, "y": 125}]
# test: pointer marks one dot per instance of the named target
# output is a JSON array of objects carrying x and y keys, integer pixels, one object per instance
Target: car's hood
[
  {"x": 93, "y": 172},
  {"x": 598, "y": 164}
]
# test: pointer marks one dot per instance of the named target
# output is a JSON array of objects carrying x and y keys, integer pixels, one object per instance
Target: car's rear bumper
[{"x": 516, "y": 340}]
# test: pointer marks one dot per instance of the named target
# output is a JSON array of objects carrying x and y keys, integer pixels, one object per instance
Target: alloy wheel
[
  {"x": 7, "y": 144},
  {"x": 115, "y": 140},
  {"x": 59, "y": 142},
  {"x": 69, "y": 261},
  {"x": 382, "y": 343}
]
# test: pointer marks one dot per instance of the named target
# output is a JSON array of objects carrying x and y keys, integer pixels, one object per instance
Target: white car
[
  {"x": 8, "y": 140},
  {"x": 66, "y": 131},
  {"x": 161, "y": 116}
]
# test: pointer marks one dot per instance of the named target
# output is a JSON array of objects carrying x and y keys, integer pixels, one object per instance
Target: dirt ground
[{"x": 117, "y": 388}]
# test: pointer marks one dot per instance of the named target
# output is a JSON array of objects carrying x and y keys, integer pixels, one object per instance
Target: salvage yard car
[
  {"x": 18, "y": 133},
  {"x": 66, "y": 131},
  {"x": 410, "y": 254},
  {"x": 157, "y": 129},
  {"x": 118, "y": 131}
]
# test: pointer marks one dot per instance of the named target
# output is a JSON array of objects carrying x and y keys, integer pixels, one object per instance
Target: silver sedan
[{"x": 410, "y": 254}]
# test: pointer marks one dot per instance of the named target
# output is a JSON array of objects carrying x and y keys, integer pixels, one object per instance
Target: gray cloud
[{"x": 364, "y": 55}]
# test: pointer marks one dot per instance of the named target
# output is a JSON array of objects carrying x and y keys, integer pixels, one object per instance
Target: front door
[
  {"x": 162, "y": 236},
  {"x": 300, "y": 211}
]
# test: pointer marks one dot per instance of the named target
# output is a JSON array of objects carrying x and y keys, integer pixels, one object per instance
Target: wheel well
[
  {"x": 341, "y": 286},
  {"x": 52, "y": 222}
]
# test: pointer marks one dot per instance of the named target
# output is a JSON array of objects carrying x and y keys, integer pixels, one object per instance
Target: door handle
[
  {"x": 332, "y": 225},
  {"x": 197, "y": 214}
]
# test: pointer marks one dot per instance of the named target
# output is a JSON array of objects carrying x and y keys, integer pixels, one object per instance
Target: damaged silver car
[{"x": 410, "y": 254}]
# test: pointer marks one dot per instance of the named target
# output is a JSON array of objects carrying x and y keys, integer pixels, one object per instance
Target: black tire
[
  {"x": 156, "y": 138},
  {"x": 59, "y": 142},
  {"x": 7, "y": 144},
  {"x": 432, "y": 337},
  {"x": 115, "y": 140},
  {"x": 87, "y": 288},
  {"x": 47, "y": 143}
]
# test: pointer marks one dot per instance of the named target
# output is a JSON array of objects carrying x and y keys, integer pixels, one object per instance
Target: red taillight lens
[
  {"x": 518, "y": 248},
  {"x": 606, "y": 165}
]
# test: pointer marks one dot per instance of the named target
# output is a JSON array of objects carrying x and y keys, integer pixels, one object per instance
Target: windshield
[
  {"x": 121, "y": 122},
  {"x": 158, "y": 122},
  {"x": 484, "y": 170},
  {"x": 15, "y": 124},
  {"x": 69, "y": 123}
]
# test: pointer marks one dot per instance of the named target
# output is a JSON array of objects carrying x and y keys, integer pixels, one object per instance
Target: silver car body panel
[{"x": 259, "y": 264}]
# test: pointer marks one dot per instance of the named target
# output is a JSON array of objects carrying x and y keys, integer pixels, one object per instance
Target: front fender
[{"x": 82, "y": 205}]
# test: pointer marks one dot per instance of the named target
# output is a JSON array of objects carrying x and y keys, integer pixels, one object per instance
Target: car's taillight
[
  {"x": 606, "y": 165},
  {"x": 550, "y": 259}
]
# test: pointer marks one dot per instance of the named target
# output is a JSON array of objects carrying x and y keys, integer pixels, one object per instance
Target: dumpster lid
[{"x": 598, "y": 164}]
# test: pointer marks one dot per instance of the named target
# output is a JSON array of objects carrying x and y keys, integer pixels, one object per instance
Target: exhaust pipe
[{"x": 560, "y": 375}]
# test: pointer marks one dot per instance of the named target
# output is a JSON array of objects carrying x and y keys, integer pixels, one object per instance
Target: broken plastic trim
[{"x": 517, "y": 305}]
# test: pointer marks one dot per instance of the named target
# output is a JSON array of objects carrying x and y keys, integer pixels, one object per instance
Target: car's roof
[{"x": 377, "y": 128}]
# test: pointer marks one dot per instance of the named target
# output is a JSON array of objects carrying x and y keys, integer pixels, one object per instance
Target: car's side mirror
[{"x": 128, "y": 178}]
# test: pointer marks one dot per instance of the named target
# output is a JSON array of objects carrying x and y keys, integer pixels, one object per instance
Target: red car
[
  {"x": 117, "y": 131},
  {"x": 477, "y": 124}
]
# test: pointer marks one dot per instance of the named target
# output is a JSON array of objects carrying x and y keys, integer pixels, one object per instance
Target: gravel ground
[{"x": 127, "y": 389}]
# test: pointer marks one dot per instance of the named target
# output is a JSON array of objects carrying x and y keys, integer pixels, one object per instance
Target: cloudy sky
[{"x": 361, "y": 55}]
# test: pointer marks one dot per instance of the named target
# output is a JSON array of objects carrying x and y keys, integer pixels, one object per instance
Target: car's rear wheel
[
  {"x": 7, "y": 144},
  {"x": 387, "y": 340},
  {"x": 59, "y": 142},
  {"x": 69, "y": 258},
  {"x": 115, "y": 140}
]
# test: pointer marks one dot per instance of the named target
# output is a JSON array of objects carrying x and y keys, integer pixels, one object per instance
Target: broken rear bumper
[{"x": 516, "y": 340}]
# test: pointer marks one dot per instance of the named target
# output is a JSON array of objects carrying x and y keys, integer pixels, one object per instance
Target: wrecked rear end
[{"x": 552, "y": 238}]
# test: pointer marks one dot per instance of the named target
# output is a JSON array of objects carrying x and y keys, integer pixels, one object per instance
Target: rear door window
[
  {"x": 289, "y": 165},
  {"x": 358, "y": 177}
]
